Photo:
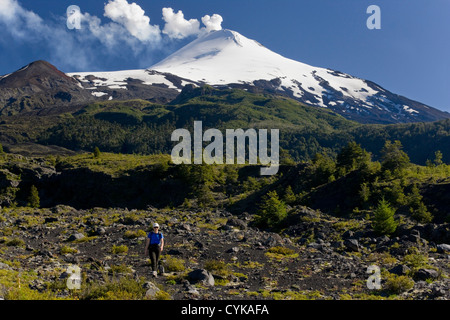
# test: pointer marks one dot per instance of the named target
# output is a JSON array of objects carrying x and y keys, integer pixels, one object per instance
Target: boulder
[
  {"x": 442, "y": 248},
  {"x": 348, "y": 234},
  {"x": 424, "y": 274},
  {"x": 337, "y": 244},
  {"x": 99, "y": 231},
  {"x": 4, "y": 266},
  {"x": 315, "y": 245},
  {"x": 50, "y": 219},
  {"x": 400, "y": 270},
  {"x": 233, "y": 250},
  {"x": 237, "y": 223},
  {"x": 76, "y": 236},
  {"x": 203, "y": 276},
  {"x": 152, "y": 290},
  {"x": 273, "y": 240},
  {"x": 352, "y": 245}
]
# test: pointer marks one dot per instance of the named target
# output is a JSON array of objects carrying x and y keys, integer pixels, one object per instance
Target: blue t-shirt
[{"x": 155, "y": 238}]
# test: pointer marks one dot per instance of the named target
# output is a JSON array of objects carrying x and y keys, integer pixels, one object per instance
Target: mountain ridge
[{"x": 223, "y": 59}]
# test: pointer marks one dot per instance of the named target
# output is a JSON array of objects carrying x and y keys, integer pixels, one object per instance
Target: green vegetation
[
  {"x": 384, "y": 218},
  {"x": 280, "y": 253},
  {"x": 272, "y": 210},
  {"x": 217, "y": 267},
  {"x": 416, "y": 260},
  {"x": 33, "y": 199},
  {"x": 67, "y": 249},
  {"x": 142, "y": 127},
  {"x": 398, "y": 284},
  {"x": 122, "y": 249},
  {"x": 18, "y": 286},
  {"x": 123, "y": 288},
  {"x": 173, "y": 264},
  {"x": 96, "y": 153},
  {"x": 132, "y": 234}
]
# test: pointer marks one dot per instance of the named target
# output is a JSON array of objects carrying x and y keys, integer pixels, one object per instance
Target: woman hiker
[{"x": 154, "y": 245}]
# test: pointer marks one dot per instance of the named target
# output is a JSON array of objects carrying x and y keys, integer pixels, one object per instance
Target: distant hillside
[{"x": 140, "y": 126}]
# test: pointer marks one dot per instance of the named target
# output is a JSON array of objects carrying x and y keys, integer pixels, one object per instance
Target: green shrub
[
  {"x": 398, "y": 284},
  {"x": 162, "y": 295},
  {"x": 123, "y": 249},
  {"x": 123, "y": 288},
  {"x": 15, "y": 242},
  {"x": 217, "y": 267},
  {"x": 67, "y": 249},
  {"x": 173, "y": 264},
  {"x": 280, "y": 253},
  {"x": 281, "y": 250},
  {"x": 122, "y": 268},
  {"x": 416, "y": 260},
  {"x": 132, "y": 234}
]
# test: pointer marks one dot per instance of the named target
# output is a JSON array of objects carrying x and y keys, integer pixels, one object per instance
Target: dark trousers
[{"x": 154, "y": 251}]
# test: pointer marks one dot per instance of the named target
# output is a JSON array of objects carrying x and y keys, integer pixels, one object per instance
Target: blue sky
[{"x": 409, "y": 55}]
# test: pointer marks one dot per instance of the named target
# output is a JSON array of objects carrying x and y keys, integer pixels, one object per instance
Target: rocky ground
[{"x": 216, "y": 255}]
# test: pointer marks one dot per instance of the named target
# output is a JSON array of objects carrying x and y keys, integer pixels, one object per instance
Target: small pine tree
[
  {"x": 417, "y": 208},
  {"x": 364, "y": 193},
  {"x": 34, "y": 200},
  {"x": 289, "y": 195},
  {"x": 438, "y": 158},
  {"x": 324, "y": 169},
  {"x": 97, "y": 153},
  {"x": 421, "y": 213},
  {"x": 383, "y": 222},
  {"x": 272, "y": 210},
  {"x": 351, "y": 157}
]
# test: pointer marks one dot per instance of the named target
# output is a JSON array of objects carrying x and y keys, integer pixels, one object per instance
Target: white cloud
[
  {"x": 212, "y": 23},
  {"x": 19, "y": 20},
  {"x": 133, "y": 18},
  {"x": 128, "y": 34},
  {"x": 177, "y": 26}
]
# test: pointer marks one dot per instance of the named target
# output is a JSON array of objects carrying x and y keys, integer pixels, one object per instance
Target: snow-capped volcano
[{"x": 227, "y": 58}]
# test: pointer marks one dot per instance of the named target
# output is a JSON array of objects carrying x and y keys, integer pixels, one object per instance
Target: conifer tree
[
  {"x": 394, "y": 158},
  {"x": 383, "y": 222},
  {"x": 33, "y": 199},
  {"x": 97, "y": 153},
  {"x": 289, "y": 195},
  {"x": 272, "y": 210}
]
